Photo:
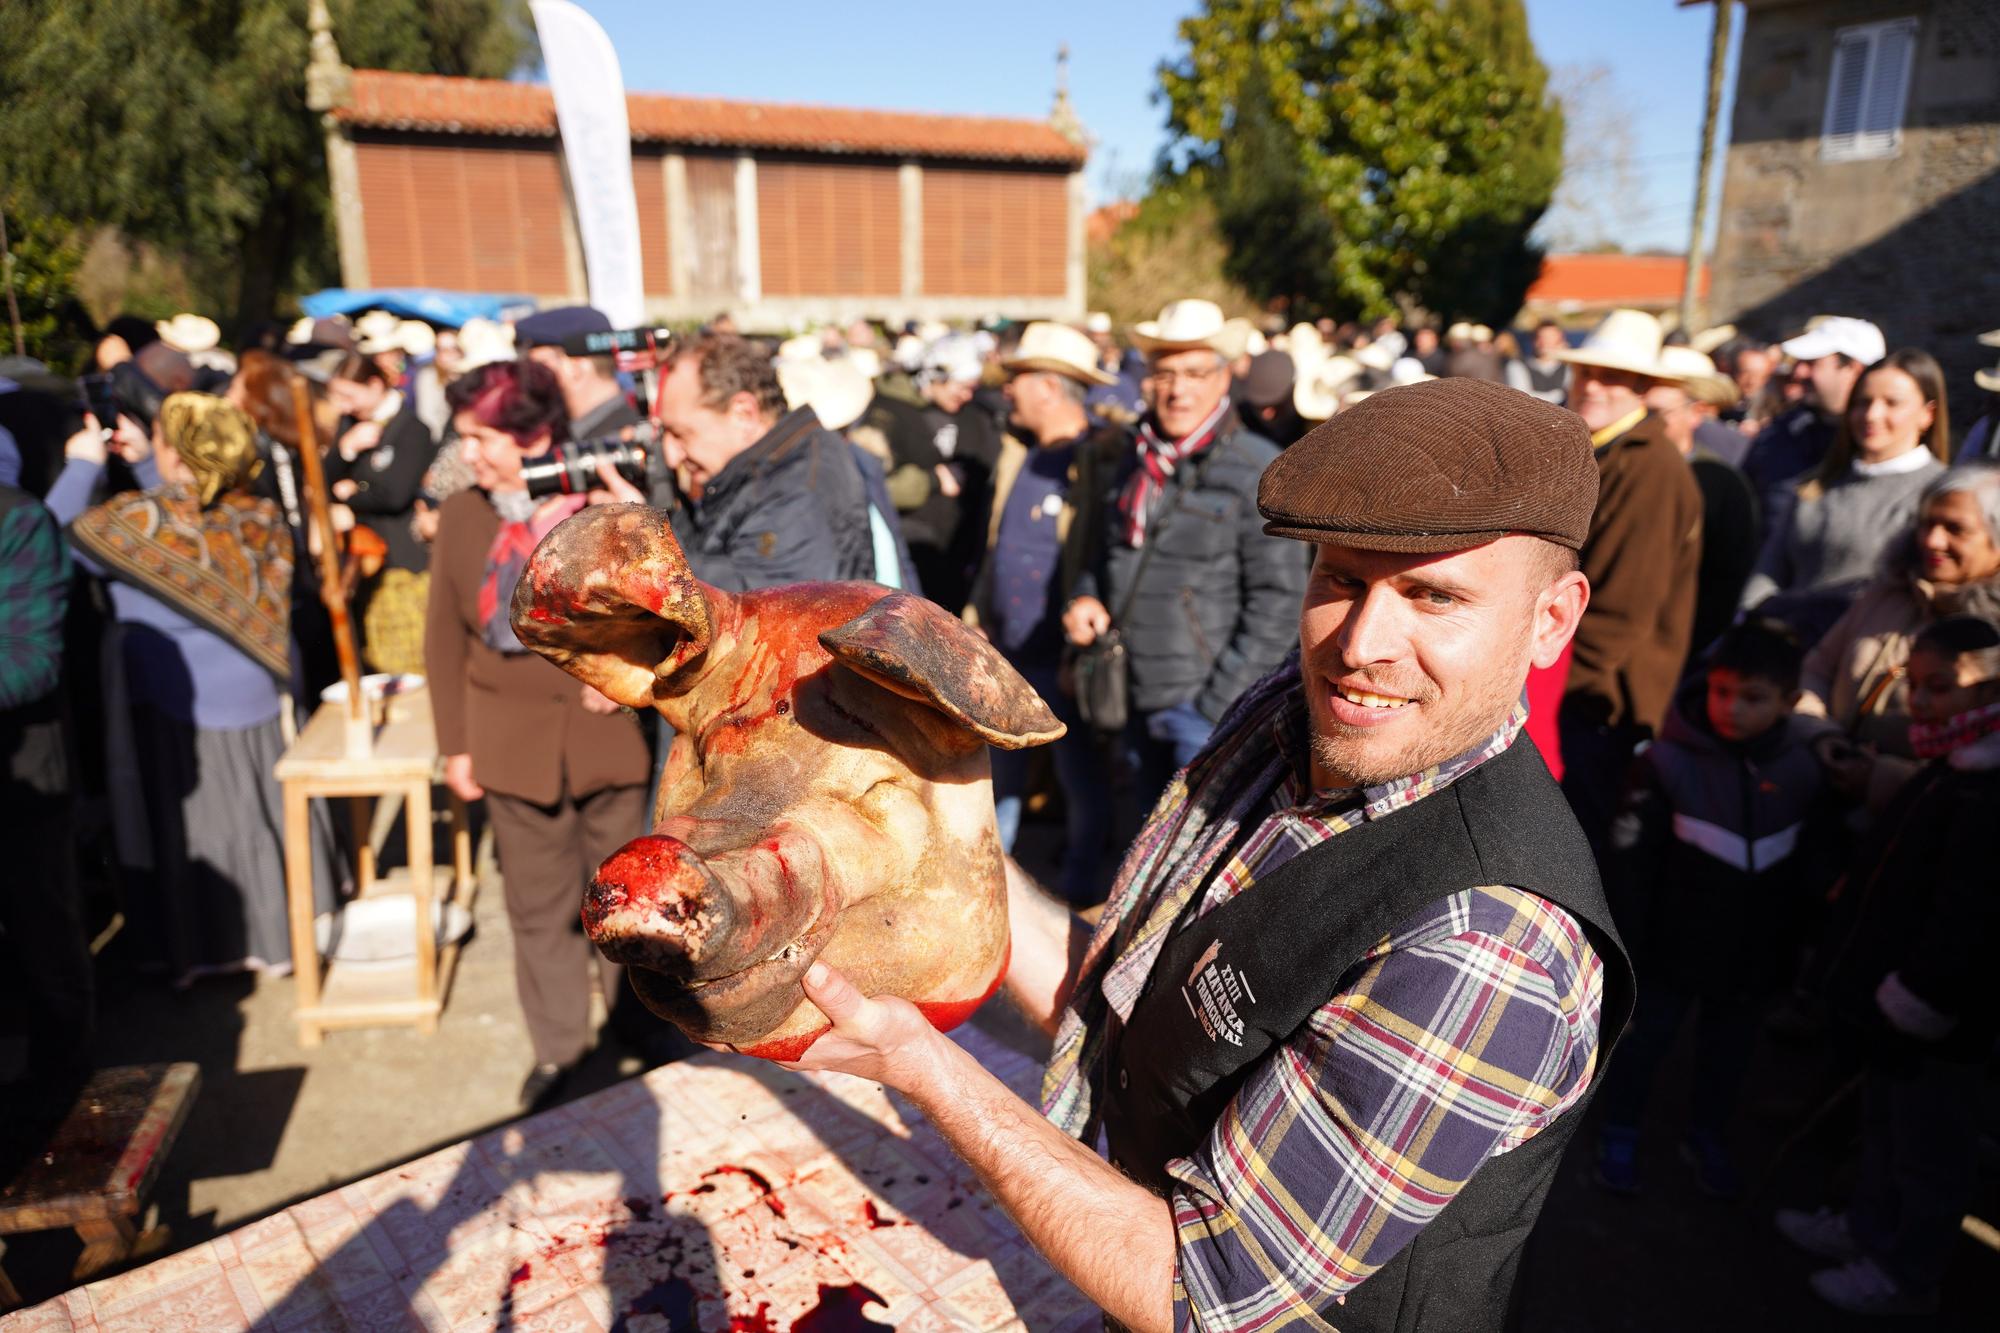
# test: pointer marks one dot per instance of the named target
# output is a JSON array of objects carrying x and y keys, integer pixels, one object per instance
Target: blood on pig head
[{"x": 827, "y": 794}]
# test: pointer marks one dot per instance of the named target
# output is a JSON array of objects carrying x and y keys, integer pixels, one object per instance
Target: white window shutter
[{"x": 1868, "y": 87}]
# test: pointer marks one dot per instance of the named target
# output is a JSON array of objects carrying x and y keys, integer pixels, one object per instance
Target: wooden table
[
  {"x": 99, "y": 1164},
  {"x": 720, "y": 1194},
  {"x": 402, "y": 764}
]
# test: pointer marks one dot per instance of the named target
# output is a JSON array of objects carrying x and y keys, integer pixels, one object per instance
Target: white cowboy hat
[
  {"x": 1250, "y": 338},
  {"x": 416, "y": 337},
  {"x": 1460, "y": 332},
  {"x": 1990, "y": 338},
  {"x": 834, "y": 388},
  {"x": 1696, "y": 373},
  {"x": 1708, "y": 340},
  {"x": 481, "y": 342},
  {"x": 1319, "y": 395},
  {"x": 1097, "y": 322},
  {"x": 189, "y": 333},
  {"x": 1627, "y": 340},
  {"x": 377, "y": 332},
  {"x": 867, "y": 360},
  {"x": 1304, "y": 345},
  {"x": 1481, "y": 334},
  {"x": 1377, "y": 356},
  {"x": 1059, "y": 349},
  {"x": 1184, "y": 326},
  {"x": 805, "y": 347},
  {"x": 1408, "y": 370}
]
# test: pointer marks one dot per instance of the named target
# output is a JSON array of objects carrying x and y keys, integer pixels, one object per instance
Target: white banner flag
[{"x": 597, "y": 144}]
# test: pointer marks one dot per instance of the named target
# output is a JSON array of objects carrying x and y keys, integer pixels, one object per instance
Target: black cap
[{"x": 551, "y": 328}]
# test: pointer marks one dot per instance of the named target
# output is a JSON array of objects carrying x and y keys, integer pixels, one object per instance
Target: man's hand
[
  {"x": 885, "y": 1039},
  {"x": 614, "y": 489},
  {"x": 458, "y": 777},
  {"x": 132, "y": 441},
  {"x": 1083, "y": 620},
  {"x": 599, "y": 703},
  {"x": 87, "y": 445},
  {"x": 360, "y": 438}
]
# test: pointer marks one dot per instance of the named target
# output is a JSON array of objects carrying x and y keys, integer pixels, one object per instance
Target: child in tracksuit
[
  {"x": 1712, "y": 880},
  {"x": 1908, "y": 973}
]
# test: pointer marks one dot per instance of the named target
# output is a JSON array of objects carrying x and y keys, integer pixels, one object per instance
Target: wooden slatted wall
[
  {"x": 831, "y": 229},
  {"x": 995, "y": 233},
  {"x": 469, "y": 218}
]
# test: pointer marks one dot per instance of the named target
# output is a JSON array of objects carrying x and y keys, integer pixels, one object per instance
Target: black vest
[{"x": 1230, "y": 985}]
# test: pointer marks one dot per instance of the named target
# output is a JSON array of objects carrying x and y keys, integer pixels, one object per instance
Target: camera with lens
[{"x": 571, "y": 468}]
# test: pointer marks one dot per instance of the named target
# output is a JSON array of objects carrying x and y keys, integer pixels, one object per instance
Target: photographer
[{"x": 563, "y": 769}]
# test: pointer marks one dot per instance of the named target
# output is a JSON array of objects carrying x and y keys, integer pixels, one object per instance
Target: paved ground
[{"x": 276, "y": 1123}]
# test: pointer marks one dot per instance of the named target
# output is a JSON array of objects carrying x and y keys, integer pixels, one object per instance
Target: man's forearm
[
  {"x": 1049, "y": 942},
  {"x": 1109, "y": 1236}
]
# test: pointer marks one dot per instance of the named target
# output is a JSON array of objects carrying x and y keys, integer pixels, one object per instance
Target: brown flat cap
[{"x": 1439, "y": 466}]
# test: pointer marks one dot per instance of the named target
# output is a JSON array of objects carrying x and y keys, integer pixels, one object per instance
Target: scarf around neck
[
  {"x": 1158, "y": 457},
  {"x": 523, "y": 524},
  {"x": 1934, "y": 740},
  {"x": 227, "y": 566}
]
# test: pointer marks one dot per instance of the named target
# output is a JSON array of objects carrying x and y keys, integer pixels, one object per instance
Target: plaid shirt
[
  {"x": 34, "y": 592},
  {"x": 1462, "y": 1034}
]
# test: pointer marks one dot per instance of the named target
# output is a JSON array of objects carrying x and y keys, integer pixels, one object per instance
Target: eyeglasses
[{"x": 1167, "y": 379}]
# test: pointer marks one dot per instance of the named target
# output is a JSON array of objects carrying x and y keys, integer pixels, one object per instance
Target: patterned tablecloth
[{"x": 720, "y": 1193}]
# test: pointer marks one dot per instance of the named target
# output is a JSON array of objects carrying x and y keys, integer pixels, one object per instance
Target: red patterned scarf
[
  {"x": 1157, "y": 460},
  {"x": 506, "y": 559},
  {"x": 228, "y": 567},
  {"x": 1932, "y": 740}
]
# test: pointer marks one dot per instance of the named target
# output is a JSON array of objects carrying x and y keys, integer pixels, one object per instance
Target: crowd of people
[{"x": 1775, "y": 721}]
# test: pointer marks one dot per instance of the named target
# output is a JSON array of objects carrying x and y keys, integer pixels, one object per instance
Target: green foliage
[
  {"x": 42, "y": 264},
  {"x": 183, "y": 122},
  {"x": 1170, "y": 248},
  {"x": 1369, "y": 153}
]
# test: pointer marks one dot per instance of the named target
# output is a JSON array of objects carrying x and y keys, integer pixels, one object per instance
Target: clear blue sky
[{"x": 999, "y": 59}]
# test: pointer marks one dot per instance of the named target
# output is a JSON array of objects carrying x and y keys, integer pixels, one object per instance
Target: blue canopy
[{"x": 430, "y": 304}]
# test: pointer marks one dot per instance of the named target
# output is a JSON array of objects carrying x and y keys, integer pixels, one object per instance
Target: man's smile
[{"x": 1358, "y": 706}]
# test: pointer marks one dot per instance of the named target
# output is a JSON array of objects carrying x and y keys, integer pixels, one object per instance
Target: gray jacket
[
  {"x": 1218, "y": 601},
  {"x": 792, "y": 508}
]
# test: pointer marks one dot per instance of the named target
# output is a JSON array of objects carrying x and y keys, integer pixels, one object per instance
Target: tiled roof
[
  {"x": 1611, "y": 280},
  {"x": 385, "y": 100}
]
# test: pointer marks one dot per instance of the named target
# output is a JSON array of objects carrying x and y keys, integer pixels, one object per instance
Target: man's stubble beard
[{"x": 1345, "y": 754}]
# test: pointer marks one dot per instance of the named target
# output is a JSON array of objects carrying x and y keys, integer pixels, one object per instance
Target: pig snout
[{"x": 657, "y": 904}]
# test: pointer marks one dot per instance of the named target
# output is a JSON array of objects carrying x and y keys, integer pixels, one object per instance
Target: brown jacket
[
  {"x": 1641, "y": 558},
  {"x": 521, "y": 719}
]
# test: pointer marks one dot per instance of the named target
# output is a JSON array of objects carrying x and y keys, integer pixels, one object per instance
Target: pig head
[{"x": 827, "y": 794}]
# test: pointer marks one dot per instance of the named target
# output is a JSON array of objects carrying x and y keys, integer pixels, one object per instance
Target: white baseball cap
[{"x": 1855, "y": 339}]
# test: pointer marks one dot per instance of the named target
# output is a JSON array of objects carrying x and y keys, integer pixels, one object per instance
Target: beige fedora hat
[
  {"x": 1319, "y": 395},
  {"x": 1185, "y": 325},
  {"x": 1696, "y": 373},
  {"x": 481, "y": 342},
  {"x": 1627, "y": 340},
  {"x": 189, "y": 333},
  {"x": 1059, "y": 349},
  {"x": 836, "y": 389},
  {"x": 377, "y": 332}
]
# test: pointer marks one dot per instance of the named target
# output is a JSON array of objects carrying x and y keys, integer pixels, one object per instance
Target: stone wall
[{"x": 1910, "y": 241}]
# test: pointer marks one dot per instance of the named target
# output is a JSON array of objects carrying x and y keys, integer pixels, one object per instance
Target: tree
[
  {"x": 1426, "y": 146},
  {"x": 1169, "y": 248},
  {"x": 185, "y": 125}
]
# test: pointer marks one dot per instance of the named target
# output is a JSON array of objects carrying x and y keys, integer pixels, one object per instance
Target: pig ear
[
  {"x": 607, "y": 597},
  {"x": 918, "y": 650}
]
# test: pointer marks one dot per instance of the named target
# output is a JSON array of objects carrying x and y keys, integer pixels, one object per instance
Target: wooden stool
[
  {"x": 401, "y": 763},
  {"x": 100, "y": 1163}
]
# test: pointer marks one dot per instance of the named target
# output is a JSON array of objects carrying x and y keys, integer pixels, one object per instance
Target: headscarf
[
  {"x": 210, "y": 549},
  {"x": 215, "y": 438}
]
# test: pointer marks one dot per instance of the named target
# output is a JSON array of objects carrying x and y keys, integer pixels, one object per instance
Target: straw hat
[
  {"x": 375, "y": 332},
  {"x": 1990, "y": 339},
  {"x": 1627, "y": 340},
  {"x": 1708, "y": 340},
  {"x": 189, "y": 333},
  {"x": 1306, "y": 347},
  {"x": 1188, "y": 325},
  {"x": 416, "y": 337},
  {"x": 481, "y": 342},
  {"x": 835, "y": 388},
  {"x": 1377, "y": 356},
  {"x": 1319, "y": 395},
  {"x": 1097, "y": 322},
  {"x": 1460, "y": 332},
  {"x": 1059, "y": 349},
  {"x": 1697, "y": 374}
]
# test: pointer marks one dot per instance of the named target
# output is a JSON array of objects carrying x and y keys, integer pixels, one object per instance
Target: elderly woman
[
  {"x": 1855, "y": 675},
  {"x": 562, "y": 769},
  {"x": 200, "y": 576},
  {"x": 1831, "y": 529}
]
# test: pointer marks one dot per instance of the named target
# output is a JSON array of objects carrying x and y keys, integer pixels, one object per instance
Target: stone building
[
  {"x": 782, "y": 215},
  {"x": 1863, "y": 174}
]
